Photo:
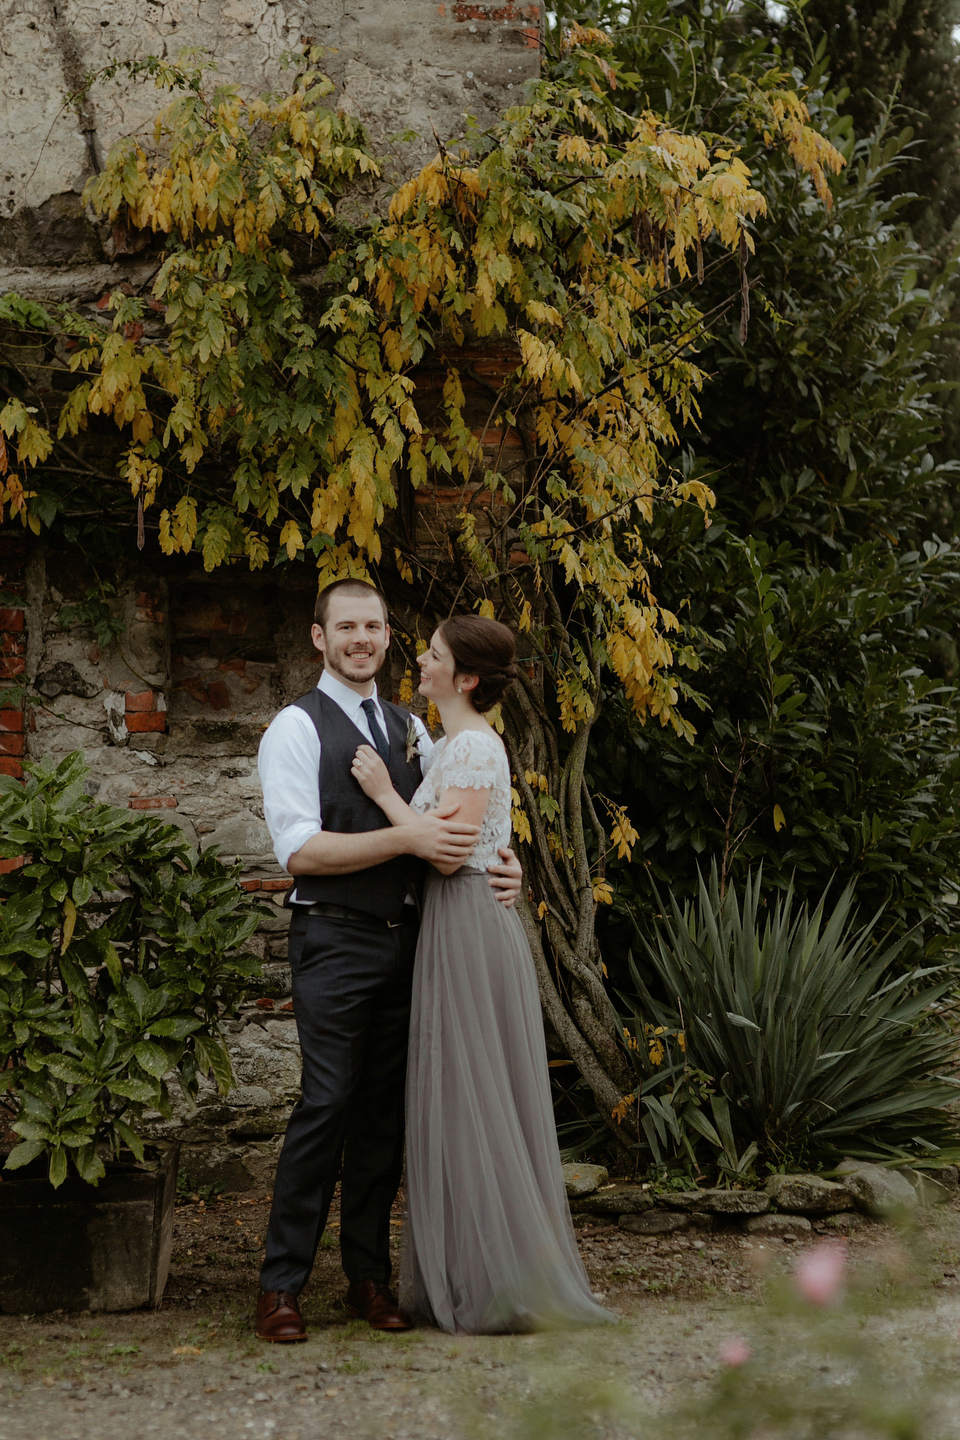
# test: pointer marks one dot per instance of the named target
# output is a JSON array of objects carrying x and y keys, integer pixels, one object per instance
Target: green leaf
[
  {"x": 130, "y": 1138},
  {"x": 153, "y": 1059},
  {"x": 58, "y": 1166},
  {"x": 89, "y": 1165},
  {"x": 81, "y": 890},
  {"x": 23, "y": 1153}
]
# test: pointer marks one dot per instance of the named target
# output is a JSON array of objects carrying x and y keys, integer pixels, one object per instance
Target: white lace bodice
[{"x": 472, "y": 760}]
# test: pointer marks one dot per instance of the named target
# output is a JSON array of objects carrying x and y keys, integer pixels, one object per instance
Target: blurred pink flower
[
  {"x": 735, "y": 1351},
  {"x": 820, "y": 1274}
]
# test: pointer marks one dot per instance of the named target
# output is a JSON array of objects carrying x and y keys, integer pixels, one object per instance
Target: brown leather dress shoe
[
  {"x": 374, "y": 1302},
  {"x": 279, "y": 1318}
]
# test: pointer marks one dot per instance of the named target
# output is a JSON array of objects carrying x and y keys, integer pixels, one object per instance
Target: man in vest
[{"x": 353, "y": 937}]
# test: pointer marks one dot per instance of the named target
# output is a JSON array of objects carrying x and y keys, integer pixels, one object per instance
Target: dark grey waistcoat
[{"x": 345, "y": 810}]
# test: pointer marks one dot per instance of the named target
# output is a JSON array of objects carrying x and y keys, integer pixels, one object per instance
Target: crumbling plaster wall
[{"x": 399, "y": 65}]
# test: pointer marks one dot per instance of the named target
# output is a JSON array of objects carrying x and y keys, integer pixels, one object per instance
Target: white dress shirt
[{"x": 289, "y": 765}]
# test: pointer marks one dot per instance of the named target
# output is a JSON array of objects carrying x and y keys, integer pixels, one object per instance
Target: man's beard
[{"x": 332, "y": 663}]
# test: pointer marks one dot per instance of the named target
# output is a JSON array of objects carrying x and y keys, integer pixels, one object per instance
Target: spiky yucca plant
[{"x": 816, "y": 1044}]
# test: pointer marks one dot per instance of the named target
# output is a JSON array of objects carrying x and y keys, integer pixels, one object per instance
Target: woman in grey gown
[{"x": 488, "y": 1242}]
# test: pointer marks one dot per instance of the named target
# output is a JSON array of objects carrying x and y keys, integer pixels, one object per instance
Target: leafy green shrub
[
  {"x": 119, "y": 956},
  {"x": 815, "y": 1045},
  {"x": 821, "y": 606}
]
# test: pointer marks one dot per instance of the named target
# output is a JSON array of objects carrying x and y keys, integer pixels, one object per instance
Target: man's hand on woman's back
[{"x": 440, "y": 839}]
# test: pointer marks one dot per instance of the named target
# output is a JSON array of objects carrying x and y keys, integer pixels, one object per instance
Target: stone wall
[
  {"x": 169, "y": 718},
  {"x": 170, "y": 713},
  {"x": 399, "y": 65}
]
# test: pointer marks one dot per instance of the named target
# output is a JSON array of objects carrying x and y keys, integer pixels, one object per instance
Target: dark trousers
[{"x": 351, "y": 998}]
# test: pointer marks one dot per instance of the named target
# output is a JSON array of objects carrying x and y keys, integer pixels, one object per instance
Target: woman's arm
[{"x": 471, "y": 808}]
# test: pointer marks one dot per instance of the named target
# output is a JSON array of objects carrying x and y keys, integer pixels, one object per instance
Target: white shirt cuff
[{"x": 289, "y": 841}]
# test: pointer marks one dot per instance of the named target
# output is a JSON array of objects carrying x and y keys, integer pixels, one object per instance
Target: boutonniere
[{"x": 413, "y": 742}]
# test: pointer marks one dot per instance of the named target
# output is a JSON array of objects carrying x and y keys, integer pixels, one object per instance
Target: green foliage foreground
[
  {"x": 840, "y": 1349},
  {"x": 120, "y": 953}
]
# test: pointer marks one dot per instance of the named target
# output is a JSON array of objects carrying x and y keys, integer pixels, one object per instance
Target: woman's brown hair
[{"x": 484, "y": 648}]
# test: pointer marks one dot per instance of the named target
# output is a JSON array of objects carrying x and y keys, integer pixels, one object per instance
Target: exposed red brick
[
  {"x": 233, "y": 667},
  {"x": 93, "y": 654},
  {"x": 287, "y": 1006},
  {"x": 12, "y": 644},
  {"x": 154, "y": 722},
  {"x": 450, "y": 496},
  {"x": 152, "y": 802},
  {"x": 219, "y": 694},
  {"x": 9, "y": 766},
  {"x": 141, "y": 700},
  {"x": 532, "y": 32},
  {"x": 239, "y": 620},
  {"x": 10, "y": 667},
  {"x": 264, "y": 1003},
  {"x": 148, "y": 616},
  {"x": 493, "y": 439},
  {"x": 11, "y": 719},
  {"x": 488, "y": 12},
  {"x": 13, "y": 863},
  {"x": 275, "y": 884},
  {"x": 11, "y": 744},
  {"x": 252, "y": 682},
  {"x": 250, "y": 885},
  {"x": 11, "y": 620}
]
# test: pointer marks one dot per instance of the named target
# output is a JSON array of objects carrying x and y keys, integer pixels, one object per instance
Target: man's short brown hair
[{"x": 344, "y": 587}]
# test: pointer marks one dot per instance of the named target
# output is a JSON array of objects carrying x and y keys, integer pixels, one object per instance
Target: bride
[{"x": 488, "y": 1242}]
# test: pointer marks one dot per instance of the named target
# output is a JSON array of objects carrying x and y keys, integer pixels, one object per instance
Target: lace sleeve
[{"x": 473, "y": 760}]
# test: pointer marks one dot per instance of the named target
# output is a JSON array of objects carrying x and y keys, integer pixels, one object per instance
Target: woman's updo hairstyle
[{"x": 484, "y": 648}]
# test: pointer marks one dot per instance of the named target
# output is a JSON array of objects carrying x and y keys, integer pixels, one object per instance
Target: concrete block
[{"x": 82, "y": 1247}]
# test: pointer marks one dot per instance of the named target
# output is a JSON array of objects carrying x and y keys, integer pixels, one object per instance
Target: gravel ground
[{"x": 193, "y": 1368}]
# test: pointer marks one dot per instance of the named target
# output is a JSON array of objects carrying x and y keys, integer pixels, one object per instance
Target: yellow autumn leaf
[
  {"x": 619, "y": 1110},
  {"x": 403, "y": 566},
  {"x": 291, "y": 538},
  {"x": 69, "y": 924},
  {"x": 779, "y": 819}
]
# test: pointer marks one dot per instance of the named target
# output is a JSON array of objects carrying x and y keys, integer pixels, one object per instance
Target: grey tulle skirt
[{"x": 488, "y": 1243}]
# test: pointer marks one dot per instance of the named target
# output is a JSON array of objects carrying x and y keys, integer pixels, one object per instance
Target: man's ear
[
  {"x": 386, "y": 636},
  {"x": 316, "y": 635}
]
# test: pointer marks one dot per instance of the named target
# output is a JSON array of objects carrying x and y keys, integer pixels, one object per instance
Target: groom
[{"x": 353, "y": 936}]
